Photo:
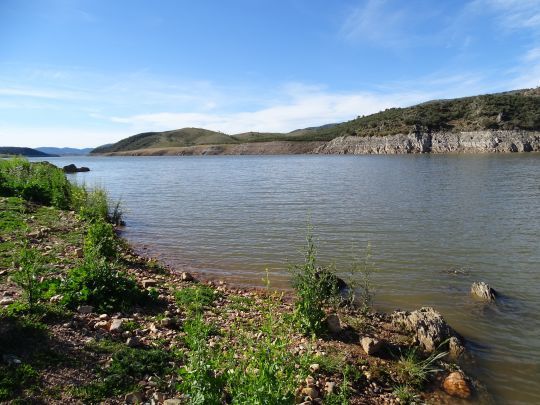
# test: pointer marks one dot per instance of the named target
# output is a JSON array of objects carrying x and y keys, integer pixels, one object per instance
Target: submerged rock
[
  {"x": 429, "y": 327},
  {"x": 483, "y": 291}
]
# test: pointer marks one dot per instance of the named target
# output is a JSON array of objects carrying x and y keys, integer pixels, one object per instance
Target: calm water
[{"x": 425, "y": 217}]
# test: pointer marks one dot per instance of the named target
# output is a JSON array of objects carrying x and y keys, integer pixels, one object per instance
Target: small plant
[
  {"x": 15, "y": 379},
  {"x": 315, "y": 287},
  {"x": 127, "y": 367},
  {"x": 414, "y": 371},
  {"x": 27, "y": 277},
  {"x": 365, "y": 269},
  {"x": 100, "y": 241},
  {"x": 405, "y": 394},
  {"x": 193, "y": 299},
  {"x": 198, "y": 378},
  {"x": 96, "y": 283}
]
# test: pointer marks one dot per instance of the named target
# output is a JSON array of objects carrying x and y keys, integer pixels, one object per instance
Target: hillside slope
[
  {"x": 177, "y": 138},
  {"x": 28, "y": 152},
  {"x": 51, "y": 150}
]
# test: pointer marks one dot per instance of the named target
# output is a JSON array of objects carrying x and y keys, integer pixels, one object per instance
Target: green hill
[
  {"x": 505, "y": 111},
  {"x": 167, "y": 139},
  {"x": 17, "y": 151}
]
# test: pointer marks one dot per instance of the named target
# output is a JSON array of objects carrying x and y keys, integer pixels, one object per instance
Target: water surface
[{"x": 435, "y": 225}]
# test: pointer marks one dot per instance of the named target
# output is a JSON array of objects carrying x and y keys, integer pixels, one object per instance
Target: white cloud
[{"x": 306, "y": 106}]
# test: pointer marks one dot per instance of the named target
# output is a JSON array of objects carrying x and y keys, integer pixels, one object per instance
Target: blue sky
[{"x": 83, "y": 73}]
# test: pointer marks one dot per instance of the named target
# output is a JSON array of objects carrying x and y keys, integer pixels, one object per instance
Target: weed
[
  {"x": 413, "y": 370},
  {"x": 16, "y": 379},
  {"x": 366, "y": 268},
  {"x": 198, "y": 378},
  {"x": 405, "y": 394},
  {"x": 96, "y": 283},
  {"x": 195, "y": 298},
  {"x": 314, "y": 288},
  {"x": 27, "y": 277},
  {"x": 100, "y": 241},
  {"x": 127, "y": 367}
]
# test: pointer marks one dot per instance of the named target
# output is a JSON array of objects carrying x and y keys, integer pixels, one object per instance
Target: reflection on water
[{"x": 435, "y": 223}]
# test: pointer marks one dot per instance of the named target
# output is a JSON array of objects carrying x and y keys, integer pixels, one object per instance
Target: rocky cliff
[{"x": 437, "y": 142}]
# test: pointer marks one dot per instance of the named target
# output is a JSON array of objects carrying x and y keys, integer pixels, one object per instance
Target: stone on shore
[
  {"x": 185, "y": 276},
  {"x": 85, "y": 309},
  {"x": 456, "y": 385},
  {"x": 429, "y": 327},
  {"x": 483, "y": 291},
  {"x": 116, "y": 326},
  {"x": 371, "y": 345},
  {"x": 149, "y": 283}
]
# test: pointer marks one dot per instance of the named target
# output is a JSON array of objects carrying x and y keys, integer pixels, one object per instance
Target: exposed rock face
[
  {"x": 483, "y": 291},
  {"x": 428, "y": 325},
  {"x": 437, "y": 142}
]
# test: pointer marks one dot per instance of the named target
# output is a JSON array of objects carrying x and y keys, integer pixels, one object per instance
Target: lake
[{"x": 435, "y": 224}]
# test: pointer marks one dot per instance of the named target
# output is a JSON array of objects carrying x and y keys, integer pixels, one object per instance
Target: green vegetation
[
  {"x": 127, "y": 367},
  {"x": 100, "y": 241},
  {"x": 27, "y": 277},
  {"x": 415, "y": 371},
  {"x": 167, "y": 139},
  {"x": 40, "y": 183},
  {"x": 97, "y": 283},
  {"x": 194, "y": 299},
  {"x": 315, "y": 287}
]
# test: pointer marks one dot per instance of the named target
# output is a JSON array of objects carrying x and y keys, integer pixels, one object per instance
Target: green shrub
[
  {"x": 15, "y": 379},
  {"x": 40, "y": 182},
  {"x": 28, "y": 275},
  {"x": 93, "y": 205},
  {"x": 100, "y": 241},
  {"x": 98, "y": 284},
  {"x": 193, "y": 299},
  {"x": 128, "y": 366},
  {"x": 198, "y": 377},
  {"x": 315, "y": 287},
  {"x": 414, "y": 371}
]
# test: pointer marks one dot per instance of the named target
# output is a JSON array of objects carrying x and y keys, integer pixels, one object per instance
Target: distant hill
[
  {"x": 28, "y": 152},
  {"x": 513, "y": 110},
  {"x": 167, "y": 139},
  {"x": 65, "y": 151}
]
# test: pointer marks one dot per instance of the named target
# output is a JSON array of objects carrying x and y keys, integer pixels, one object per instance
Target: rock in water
[
  {"x": 74, "y": 169},
  {"x": 457, "y": 385},
  {"x": 428, "y": 325},
  {"x": 483, "y": 291}
]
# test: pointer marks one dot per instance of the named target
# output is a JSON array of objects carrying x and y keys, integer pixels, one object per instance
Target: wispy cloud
[{"x": 512, "y": 14}]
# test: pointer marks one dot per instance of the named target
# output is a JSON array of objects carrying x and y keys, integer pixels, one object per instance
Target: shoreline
[{"x": 161, "y": 326}]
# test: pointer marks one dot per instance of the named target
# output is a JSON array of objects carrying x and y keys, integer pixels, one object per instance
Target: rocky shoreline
[{"x": 380, "y": 350}]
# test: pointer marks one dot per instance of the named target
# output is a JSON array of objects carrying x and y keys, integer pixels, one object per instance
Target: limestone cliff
[{"x": 437, "y": 142}]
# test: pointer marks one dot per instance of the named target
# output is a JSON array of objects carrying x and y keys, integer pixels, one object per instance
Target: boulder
[
  {"x": 483, "y": 291},
  {"x": 371, "y": 345},
  {"x": 428, "y": 326},
  {"x": 6, "y": 301},
  {"x": 74, "y": 169},
  {"x": 185, "y": 276},
  {"x": 456, "y": 385}
]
